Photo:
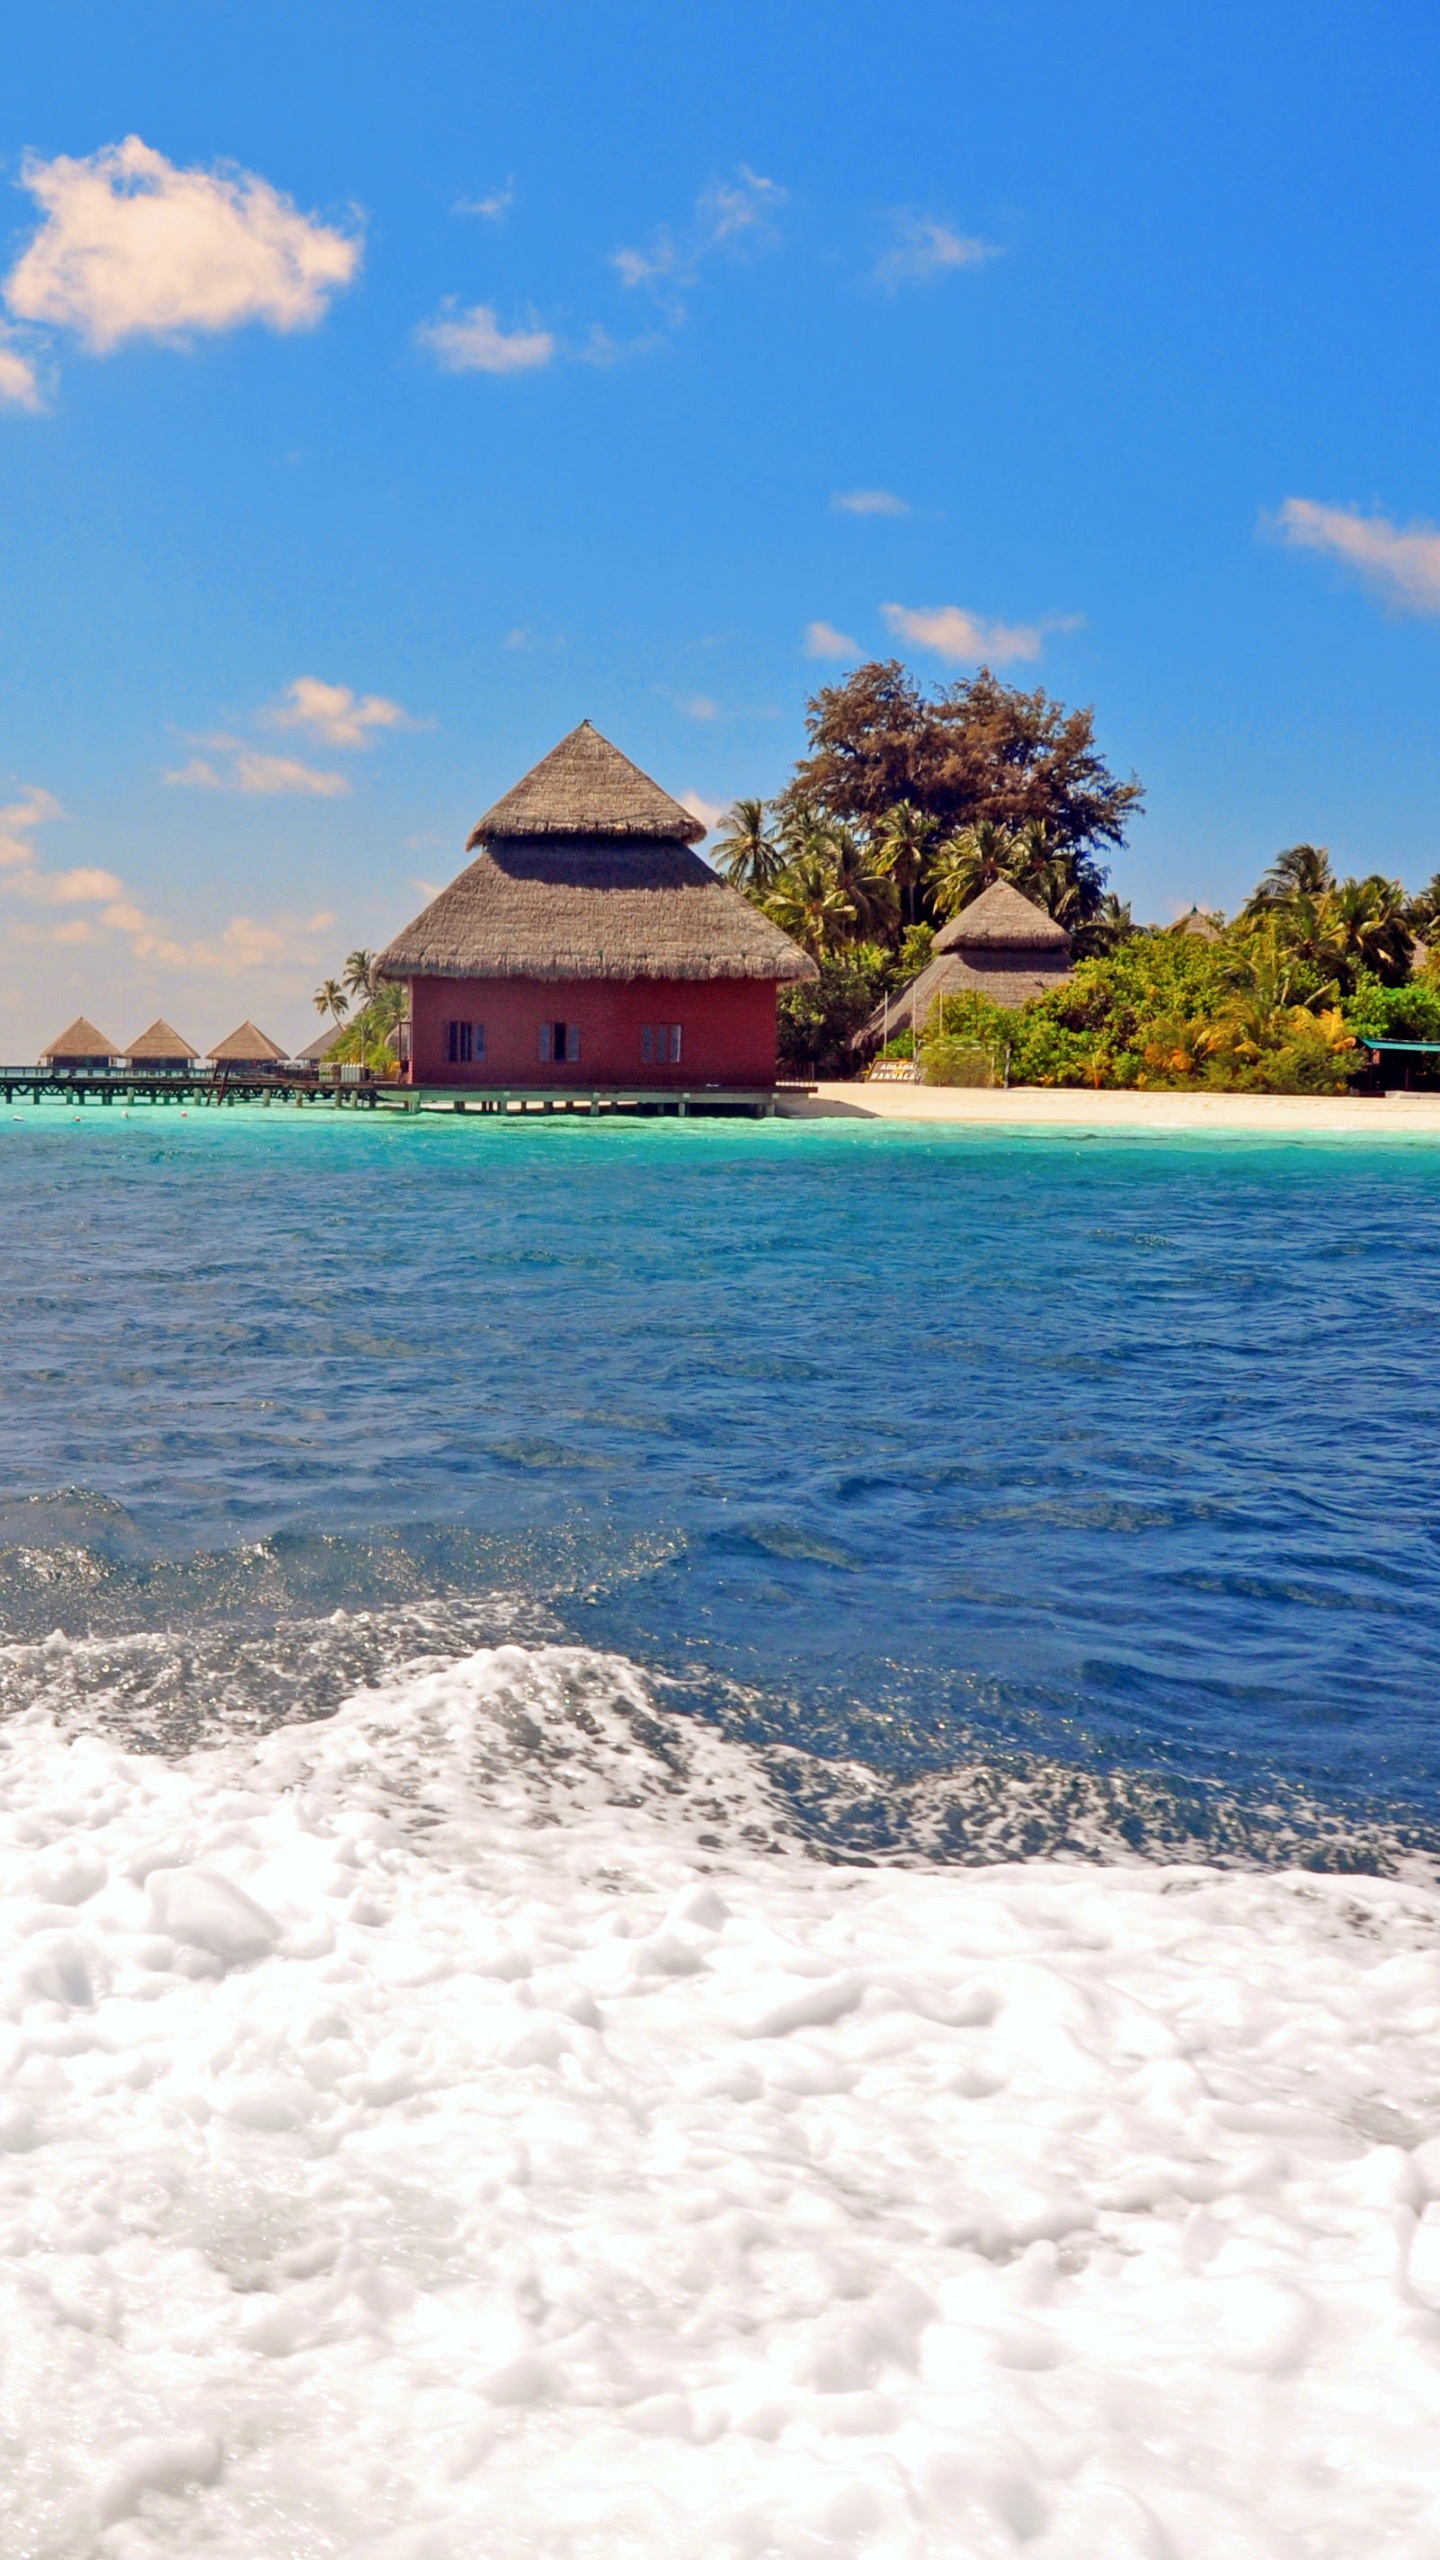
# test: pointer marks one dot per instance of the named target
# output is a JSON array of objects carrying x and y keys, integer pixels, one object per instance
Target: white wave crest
[{"x": 474, "y": 2124}]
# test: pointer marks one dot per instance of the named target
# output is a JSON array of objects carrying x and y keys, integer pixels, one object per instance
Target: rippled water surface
[{"x": 1021, "y": 1490}]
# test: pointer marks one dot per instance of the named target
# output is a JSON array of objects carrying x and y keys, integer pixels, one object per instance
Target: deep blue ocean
[{"x": 1011, "y": 1491}]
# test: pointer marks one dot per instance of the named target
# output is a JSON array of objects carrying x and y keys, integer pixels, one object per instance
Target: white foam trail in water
[{"x": 420, "y": 2144}]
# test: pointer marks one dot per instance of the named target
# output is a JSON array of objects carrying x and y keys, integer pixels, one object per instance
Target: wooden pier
[{"x": 201, "y": 1090}]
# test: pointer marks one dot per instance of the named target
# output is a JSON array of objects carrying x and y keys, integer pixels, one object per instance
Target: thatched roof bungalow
[
  {"x": 1002, "y": 946},
  {"x": 248, "y": 1047},
  {"x": 161, "y": 1049},
  {"x": 317, "y": 1051},
  {"x": 80, "y": 1045},
  {"x": 587, "y": 943}
]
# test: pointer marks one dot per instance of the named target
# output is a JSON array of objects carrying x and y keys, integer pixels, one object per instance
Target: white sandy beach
[{"x": 1055, "y": 1107}]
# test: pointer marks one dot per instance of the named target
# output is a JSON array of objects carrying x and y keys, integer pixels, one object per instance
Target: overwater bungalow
[
  {"x": 80, "y": 1045},
  {"x": 247, "y": 1049},
  {"x": 1002, "y": 946},
  {"x": 588, "y": 944},
  {"x": 160, "y": 1050}
]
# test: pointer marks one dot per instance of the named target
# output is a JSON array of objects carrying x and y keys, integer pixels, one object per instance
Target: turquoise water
[{"x": 1018, "y": 1490}]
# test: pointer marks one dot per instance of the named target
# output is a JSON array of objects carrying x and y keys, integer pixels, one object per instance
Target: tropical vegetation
[
  {"x": 367, "y": 1011},
  {"x": 906, "y": 807}
]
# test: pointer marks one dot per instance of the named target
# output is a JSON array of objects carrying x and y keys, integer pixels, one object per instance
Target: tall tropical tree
[
  {"x": 861, "y": 880},
  {"x": 1302, "y": 871},
  {"x": 902, "y": 848},
  {"x": 1364, "y": 927},
  {"x": 808, "y": 903},
  {"x": 972, "y": 859},
  {"x": 331, "y": 998},
  {"x": 360, "y": 978},
  {"x": 748, "y": 853},
  {"x": 1423, "y": 912}
]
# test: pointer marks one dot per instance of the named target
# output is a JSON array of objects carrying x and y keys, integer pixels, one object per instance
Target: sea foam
[{"x": 477, "y": 2123}]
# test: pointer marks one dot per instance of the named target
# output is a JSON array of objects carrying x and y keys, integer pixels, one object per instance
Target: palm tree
[
  {"x": 1364, "y": 927},
  {"x": 1423, "y": 912},
  {"x": 1111, "y": 924},
  {"x": 859, "y": 878},
  {"x": 1304, "y": 871},
  {"x": 330, "y": 997},
  {"x": 360, "y": 975},
  {"x": 808, "y": 902},
  {"x": 903, "y": 849},
  {"x": 972, "y": 860},
  {"x": 747, "y": 853}
]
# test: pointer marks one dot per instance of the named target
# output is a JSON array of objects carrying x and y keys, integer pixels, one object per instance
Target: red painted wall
[{"x": 727, "y": 1031}]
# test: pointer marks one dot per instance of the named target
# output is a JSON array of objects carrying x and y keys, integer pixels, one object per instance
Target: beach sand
[{"x": 1052, "y": 1107}]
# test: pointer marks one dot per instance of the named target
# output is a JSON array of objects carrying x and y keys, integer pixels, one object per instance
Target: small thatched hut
[
  {"x": 1198, "y": 923},
  {"x": 319, "y": 1050},
  {"x": 588, "y": 944},
  {"x": 248, "y": 1047},
  {"x": 1002, "y": 946},
  {"x": 81, "y": 1045},
  {"x": 161, "y": 1050}
]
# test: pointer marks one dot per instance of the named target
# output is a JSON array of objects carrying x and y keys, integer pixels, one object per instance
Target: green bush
[
  {"x": 815, "y": 1022},
  {"x": 952, "y": 1061}
]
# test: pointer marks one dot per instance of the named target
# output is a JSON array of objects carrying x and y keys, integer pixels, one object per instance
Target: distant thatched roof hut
[
  {"x": 160, "y": 1046},
  {"x": 1199, "y": 924},
  {"x": 248, "y": 1047},
  {"x": 585, "y": 871},
  {"x": 320, "y": 1049},
  {"x": 1002, "y": 946},
  {"x": 80, "y": 1045}
]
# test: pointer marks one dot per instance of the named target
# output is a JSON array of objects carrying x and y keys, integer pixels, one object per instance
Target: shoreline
[{"x": 1073, "y": 1107}]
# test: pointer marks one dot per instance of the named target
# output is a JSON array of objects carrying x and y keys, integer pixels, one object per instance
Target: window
[
  {"x": 660, "y": 1044},
  {"x": 464, "y": 1043},
  {"x": 560, "y": 1041}
]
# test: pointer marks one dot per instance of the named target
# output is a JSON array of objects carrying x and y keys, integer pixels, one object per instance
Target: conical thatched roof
[
  {"x": 81, "y": 1040},
  {"x": 585, "y": 787},
  {"x": 247, "y": 1047},
  {"x": 161, "y": 1045},
  {"x": 1003, "y": 917},
  {"x": 1197, "y": 923},
  {"x": 322, "y": 1047}
]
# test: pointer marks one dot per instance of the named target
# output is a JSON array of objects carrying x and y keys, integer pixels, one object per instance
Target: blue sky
[{"x": 426, "y": 378}]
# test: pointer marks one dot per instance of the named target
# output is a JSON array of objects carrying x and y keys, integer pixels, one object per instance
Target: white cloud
[
  {"x": 35, "y": 808},
  {"x": 1401, "y": 562},
  {"x": 334, "y": 713},
  {"x": 491, "y": 208},
  {"x": 733, "y": 215},
  {"x": 251, "y": 772},
  {"x": 130, "y": 246},
  {"x": 961, "y": 637},
  {"x": 925, "y": 249},
  {"x": 474, "y": 342},
  {"x": 245, "y": 944},
  {"x": 23, "y": 873},
  {"x": 822, "y": 640},
  {"x": 79, "y": 888},
  {"x": 709, "y": 812},
  {"x": 19, "y": 381},
  {"x": 696, "y": 706},
  {"x": 869, "y": 502}
]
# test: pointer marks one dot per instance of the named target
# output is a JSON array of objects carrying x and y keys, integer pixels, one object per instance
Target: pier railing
[{"x": 206, "y": 1087}]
